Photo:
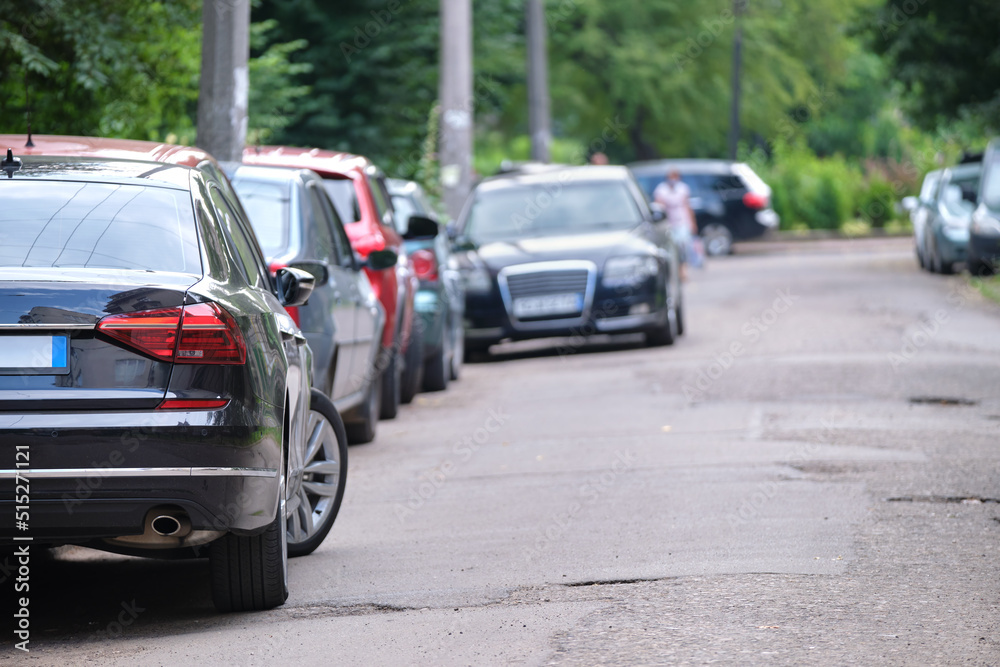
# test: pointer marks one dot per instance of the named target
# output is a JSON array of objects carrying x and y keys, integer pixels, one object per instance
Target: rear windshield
[
  {"x": 267, "y": 204},
  {"x": 344, "y": 198},
  {"x": 552, "y": 209},
  {"x": 97, "y": 225}
]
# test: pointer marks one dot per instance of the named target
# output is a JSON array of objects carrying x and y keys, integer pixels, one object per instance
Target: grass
[{"x": 988, "y": 287}]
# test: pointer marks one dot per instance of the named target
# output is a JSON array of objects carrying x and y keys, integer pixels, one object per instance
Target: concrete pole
[
  {"x": 539, "y": 116},
  {"x": 222, "y": 102},
  {"x": 457, "y": 103},
  {"x": 739, "y": 6}
]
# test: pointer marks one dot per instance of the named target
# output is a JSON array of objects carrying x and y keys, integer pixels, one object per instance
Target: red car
[{"x": 357, "y": 189}]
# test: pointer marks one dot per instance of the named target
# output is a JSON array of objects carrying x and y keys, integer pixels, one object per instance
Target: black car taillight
[
  {"x": 425, "y": 264},
  {"x": 755, "y": 200},
  {"x": 202, "y": 333}
]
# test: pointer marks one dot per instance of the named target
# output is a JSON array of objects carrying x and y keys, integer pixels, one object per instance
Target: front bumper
[
  {"x": 96, "y": 475},
  {"x": 611, "y": 314}
]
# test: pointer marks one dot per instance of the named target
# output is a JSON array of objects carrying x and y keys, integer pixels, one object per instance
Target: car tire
[
  {"x": 457, "y": 356},
  {"x": 250, "y": 573},
  {"x": 920, "y": 257},
  {"x": 679, "y": 314},
  {"x": 980, "y": 269},
  {"x": 362, "y": 430},
  {"x": 324, "y": 478},
  {"x": 717, "y": 239},
  {"x": 437, "y": 369},
  {"x": 390, "y": 384},
  {"x": 413, "y": 373},
  {"x": 665, "y": 334}
]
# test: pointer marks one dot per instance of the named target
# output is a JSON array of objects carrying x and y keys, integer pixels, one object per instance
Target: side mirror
[
  {"x": 659, "y": 213},
  {"x": 451, "y": 229},
  {"x": 294, "y": 286},
  {"x": 319, "y": 269},
  {"x": 910, "y": 204},
  {"x": 421, "y": 227},
  {"x": 379, "y": 260}
]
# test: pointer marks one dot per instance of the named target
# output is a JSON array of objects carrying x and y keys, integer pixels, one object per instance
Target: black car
[
  {"x": 729, "y": 200},
  {"x": 440, "y": 301},
  {"x": 984, "y": 231},
  {"x": 154, "y": 394},
  {"x": 572, "y": 251},
  {"x": 296, "y": 225}
]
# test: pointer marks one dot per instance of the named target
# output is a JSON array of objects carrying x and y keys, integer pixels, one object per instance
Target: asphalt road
[{"x": 810, "y": 476}]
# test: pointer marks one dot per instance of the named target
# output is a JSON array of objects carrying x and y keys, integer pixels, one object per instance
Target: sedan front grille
[{"x": 545, "y": 293}]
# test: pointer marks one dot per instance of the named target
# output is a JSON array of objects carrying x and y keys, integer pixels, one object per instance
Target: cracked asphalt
[{"x": 808, "y": 477}]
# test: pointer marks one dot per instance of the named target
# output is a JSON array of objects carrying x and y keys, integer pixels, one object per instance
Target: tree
[
  {"x": 946, "y": 56},
  {"x": 127, "y": 68}
]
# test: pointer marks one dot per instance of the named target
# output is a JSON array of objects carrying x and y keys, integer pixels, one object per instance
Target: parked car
[
  {"x": 157, "y": 389},
  {"x": 440, "y": 302},
  {"x": 984, "y": 230},
  {"x": 919, "y": 209},
  {"x": 357, "y": 189},
  {"x": 297, "y": 226},
  {"x": 573, "y": 251},
  {"x": 946, "y": 237},
  {"x": 729, "y": 200}
]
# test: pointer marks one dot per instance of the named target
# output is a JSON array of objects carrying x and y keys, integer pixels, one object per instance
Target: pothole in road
[
  {"x": 941, "y": 400},
  {"x": 611, "y": 582},
  {"x": 957, "y": 500}
]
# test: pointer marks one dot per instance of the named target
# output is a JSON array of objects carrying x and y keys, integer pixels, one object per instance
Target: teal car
[
  {"x": 946, "y": 237},
  {"x": 440, "y": 301}
]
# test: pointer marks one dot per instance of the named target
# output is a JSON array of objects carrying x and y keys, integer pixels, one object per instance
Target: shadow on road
[{"x": 557, "y": 347}]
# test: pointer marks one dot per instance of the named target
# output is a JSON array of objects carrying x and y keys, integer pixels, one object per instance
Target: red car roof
[
  {"x": 324, "y": 162},
  {"x": 124, "y": 149}
]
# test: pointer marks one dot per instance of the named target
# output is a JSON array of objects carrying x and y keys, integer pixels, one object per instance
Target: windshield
[
  {"x": 551, "y": 210},
  {"x": 97, "y": 225},
  {"x": 344, "y": 198},
  {"x": 404, "y": 207},
  {"x": 959, "y": 196},
  {"x": 267, "y": 204}
]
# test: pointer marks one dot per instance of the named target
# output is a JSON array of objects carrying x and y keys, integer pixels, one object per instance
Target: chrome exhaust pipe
[{"x": 165, "y": 525}]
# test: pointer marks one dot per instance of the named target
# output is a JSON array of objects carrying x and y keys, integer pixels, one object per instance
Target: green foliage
[
  {"x": 274, "y": 99},
  {"x": 946, "y": 56},
  {"x": 127, "y": 68}
]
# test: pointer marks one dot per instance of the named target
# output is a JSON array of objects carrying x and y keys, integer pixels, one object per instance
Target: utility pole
[
  {"x": 739, "y": 6},
  {"x": 539, "y": 116},
  {"x": 225, "y": 82},
  {"x": 457, "y": 104}
]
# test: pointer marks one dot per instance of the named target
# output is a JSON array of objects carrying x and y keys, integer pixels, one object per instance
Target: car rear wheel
[
  {"x": 251, "y": 573},
  {"x": 437, "y": 370},
  {"x": 390, "y": 384},
  {"x": 324, "y": 478},
  {"x": 362, "y": 430},
  {"x": 413, "y": 374},
  {"x": 718, "y": 240}
]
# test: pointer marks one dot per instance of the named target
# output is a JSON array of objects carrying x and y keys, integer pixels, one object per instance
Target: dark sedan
[
  {"x": 154, "y": 393},
  {"x": 566, "y": 252}
]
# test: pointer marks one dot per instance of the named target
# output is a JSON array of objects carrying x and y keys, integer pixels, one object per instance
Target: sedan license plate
[
  {"x": 550, "y": 304},
  {"x": 34, "y": 355}
]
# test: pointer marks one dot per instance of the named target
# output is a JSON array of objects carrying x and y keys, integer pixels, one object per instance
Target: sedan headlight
[
  {"x": 984, "y": 225},
  {"x": 477, "y": 280},
  {"x": 630, "y": 270}
]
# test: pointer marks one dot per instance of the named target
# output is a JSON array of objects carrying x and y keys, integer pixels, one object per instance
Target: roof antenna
[
  {"x": 27, "y": 99},
  {"x": 10, "y": 164}
]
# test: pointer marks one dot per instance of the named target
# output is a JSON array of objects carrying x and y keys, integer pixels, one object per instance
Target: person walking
[{"x": 675, "y": 197}]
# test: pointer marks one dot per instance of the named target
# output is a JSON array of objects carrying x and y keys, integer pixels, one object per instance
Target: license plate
[
  {"x": 550, "y": 304},
  {"x": 34, "y": 355}
]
